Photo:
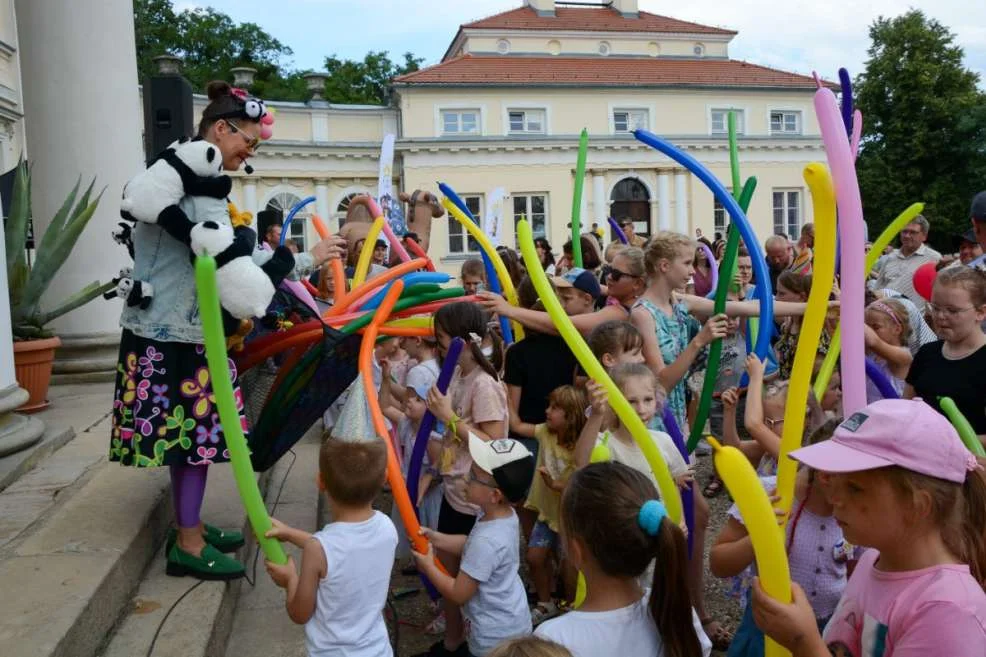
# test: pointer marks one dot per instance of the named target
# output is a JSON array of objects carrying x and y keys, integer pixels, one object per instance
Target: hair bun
[{"x": 217, "y": 89}]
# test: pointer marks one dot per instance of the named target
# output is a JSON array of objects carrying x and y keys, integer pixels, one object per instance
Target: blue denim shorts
[{"x": 543, "y": 536}]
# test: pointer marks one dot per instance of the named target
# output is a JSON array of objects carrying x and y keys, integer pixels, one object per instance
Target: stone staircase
[{"x": 81, "y": 549}]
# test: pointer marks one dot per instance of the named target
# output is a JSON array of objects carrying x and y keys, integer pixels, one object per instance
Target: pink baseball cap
[{"x": 904, "y": 432}]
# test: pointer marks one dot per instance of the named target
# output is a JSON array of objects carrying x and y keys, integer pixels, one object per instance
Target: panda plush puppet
[
  {"x": 183, "y": 169},
  {"x": 245, "y": 278}
]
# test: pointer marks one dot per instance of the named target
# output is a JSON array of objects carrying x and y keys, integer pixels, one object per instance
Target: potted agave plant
[{"x": 34, "y": 343}]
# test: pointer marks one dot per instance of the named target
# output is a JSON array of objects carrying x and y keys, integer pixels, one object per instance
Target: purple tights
[{"x": 188, "y": 491}]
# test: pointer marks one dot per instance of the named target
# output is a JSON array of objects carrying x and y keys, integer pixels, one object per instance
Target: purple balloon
[
  {"x": 713, "y": 265},
  {"x": 880, "y": 380},
  {"x": 687, "y": 495},
  {"x": 847, "y": 107},
  {"x": 619, "y": 231}
]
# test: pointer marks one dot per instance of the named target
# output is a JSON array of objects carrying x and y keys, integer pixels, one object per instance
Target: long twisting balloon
[{"x": 823, "y": 200}]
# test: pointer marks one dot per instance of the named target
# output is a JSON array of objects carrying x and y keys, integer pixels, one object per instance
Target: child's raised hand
[
  {"x": 787, "y": 623},
  {"x": 427, "y": 559},
  {"x": 685, "y": 479},
  {"x": 278, "y": 530},
  {"x": 754, "y": 367},
  {"x": 869, "y": 337},
  {"x": 730, "y": 398},
  {"x": 282, "y": 574},
  {"x": 493, "y": 302},
  {"x": 440, "y": 405},
  {"x": 598, "y": 396},
  {"x": 715, "y": 328},
  {"x": 548, "y": 479},
  {"x": 385, "y": 370}
]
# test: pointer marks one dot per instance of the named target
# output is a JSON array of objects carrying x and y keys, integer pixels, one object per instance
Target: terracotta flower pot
[{"x": 32, "y": 364}]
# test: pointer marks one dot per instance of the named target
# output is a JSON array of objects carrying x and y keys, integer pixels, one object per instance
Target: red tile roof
[
  {"x": 603, "y": 71},
  {"x": 589, "y": 20}
]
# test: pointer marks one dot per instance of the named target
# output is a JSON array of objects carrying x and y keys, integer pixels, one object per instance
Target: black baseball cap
[{"x": 967, "y": 236}]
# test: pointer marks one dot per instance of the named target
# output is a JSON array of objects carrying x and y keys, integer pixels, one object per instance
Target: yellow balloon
[
  {"x": 484, "y": 243},
  {"x": 823, "y": 199},
  {"x": 419, "y": 321},
  {"x": 575, "y": 342},
  {"x": 767, "y": 538},
  {"x": 366, "y": 254},
  {"x": 886, "y": 237}
]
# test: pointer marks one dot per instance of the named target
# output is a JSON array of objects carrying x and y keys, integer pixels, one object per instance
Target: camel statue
[{"x": 422, "y": 208}]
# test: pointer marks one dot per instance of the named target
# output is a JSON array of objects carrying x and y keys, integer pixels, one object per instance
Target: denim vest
[{"x": 165, "y": 263}]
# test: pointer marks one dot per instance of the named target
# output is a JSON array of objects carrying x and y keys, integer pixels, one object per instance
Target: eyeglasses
[
  {"x": 252, "y": 143},
  {"x": 615, "y": 275},
  {"x": 482, "y": 482},
  {"x": 947, "y": 312}
]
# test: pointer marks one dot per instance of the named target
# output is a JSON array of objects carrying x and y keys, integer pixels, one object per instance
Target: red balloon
[{"x": 924, "y": 279}]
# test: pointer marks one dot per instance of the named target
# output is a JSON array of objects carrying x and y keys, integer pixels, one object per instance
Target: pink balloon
[
  {"x": 267, "y": 119},
  {"x": 266, "y": 132},
  {"x": 851, "y": 233},
  {"x": 857, "y": 132}
]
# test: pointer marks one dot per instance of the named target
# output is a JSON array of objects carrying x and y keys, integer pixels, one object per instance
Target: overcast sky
[{"x": 797, "y": 35}]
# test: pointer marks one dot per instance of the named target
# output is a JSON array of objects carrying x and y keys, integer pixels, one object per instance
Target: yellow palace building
[{"x": 506, "y": 104}]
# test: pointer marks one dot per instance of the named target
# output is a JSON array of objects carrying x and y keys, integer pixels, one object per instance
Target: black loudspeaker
[{"x": 167, "y": 112}]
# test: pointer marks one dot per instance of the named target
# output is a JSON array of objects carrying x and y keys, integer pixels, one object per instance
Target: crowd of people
[{"x": 887, "y": 537}]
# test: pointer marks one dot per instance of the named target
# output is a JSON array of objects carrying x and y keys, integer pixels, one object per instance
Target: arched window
[
  {"x": 283, "y": 202},
  {"x": 631, "y": 200}
]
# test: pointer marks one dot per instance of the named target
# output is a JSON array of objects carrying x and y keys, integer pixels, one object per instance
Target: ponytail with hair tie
[{"x": 652, "y": 514}]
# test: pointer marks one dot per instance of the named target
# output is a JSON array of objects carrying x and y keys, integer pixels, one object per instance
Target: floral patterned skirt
[{"x": 164, "y": 410}]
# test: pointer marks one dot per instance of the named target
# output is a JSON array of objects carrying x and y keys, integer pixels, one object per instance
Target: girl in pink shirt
[{"x": 902, "y": 483}]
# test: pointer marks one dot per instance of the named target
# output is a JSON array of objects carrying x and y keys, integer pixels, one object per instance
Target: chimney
[
  {"x": 543, "y": 7},
  {"x": 627, "y": 8}
]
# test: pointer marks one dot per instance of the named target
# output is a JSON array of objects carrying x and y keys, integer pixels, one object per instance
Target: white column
[
  {"x": 82, "y": 119},
  {"x": 599, "y": 200},
  {"x": 322, "y": 199},
  {"x": 664, "y": 200},
  {"x": 16, "y": 431},
  {"x": 250, "y": 196},
  {"x": 681, "y": 202}
]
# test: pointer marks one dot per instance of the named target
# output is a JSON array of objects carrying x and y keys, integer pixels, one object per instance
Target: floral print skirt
[{"x": 164, "y": 410}]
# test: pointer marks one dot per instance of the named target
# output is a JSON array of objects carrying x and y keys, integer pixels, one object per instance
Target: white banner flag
[
  {"x": 494, "y": 223},
  {"x": 389, "y": 204}
]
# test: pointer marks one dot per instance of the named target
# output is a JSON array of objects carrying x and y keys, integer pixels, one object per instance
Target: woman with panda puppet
[{"x": 164, "y": 411}]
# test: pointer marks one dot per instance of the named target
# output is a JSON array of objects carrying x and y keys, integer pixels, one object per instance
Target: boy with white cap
[{"x": 488, "y": 584}]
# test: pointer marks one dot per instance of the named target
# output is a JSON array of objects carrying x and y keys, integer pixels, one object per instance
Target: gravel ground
[{"x": 414, "y": 610}]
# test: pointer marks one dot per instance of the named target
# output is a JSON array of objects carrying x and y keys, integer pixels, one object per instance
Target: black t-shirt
[
  {"x": 964, "y": 380},
  {"x": 537, "y": 365}
]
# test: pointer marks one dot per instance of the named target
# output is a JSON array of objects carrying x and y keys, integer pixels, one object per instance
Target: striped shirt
[{"x": 898, "y": 270}]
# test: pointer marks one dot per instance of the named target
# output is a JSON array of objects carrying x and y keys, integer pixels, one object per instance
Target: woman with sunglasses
[
  {"x": 164, "y": 412},
  {"x": 953, "y": 367},
  {"x": 625, "y": 283}
]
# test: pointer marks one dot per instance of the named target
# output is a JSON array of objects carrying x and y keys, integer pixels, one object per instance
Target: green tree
[
  {"x": 924, "y": 125},
  {"x": 211, "y": 43},
  {"x": 365, "y": 82}
]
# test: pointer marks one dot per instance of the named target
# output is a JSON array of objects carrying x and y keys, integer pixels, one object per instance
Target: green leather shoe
[
  {"x": 224, "y": 541},
  {"x": 212, "y": 565}
]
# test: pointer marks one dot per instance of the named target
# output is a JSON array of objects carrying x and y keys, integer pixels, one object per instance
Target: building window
[
  {"x": 718, "y": 217},
  {"x": 503, "y": 46},
  {"x": 787, "y": 212},
  {"x": 698, "y": 49},
  {"x": 459, "y": 241},
  {"x": 604, "y": 48},
  {"x": 528, "y": 121},
  {"x": 460, "y": 122},
  {"x": 720, "y": 122},
  {"x": 534, "y": 208},
  {"x": 628, "y": 120},
  {"x": 783, "y": 122},
  {"x": 283, "y": 203}
]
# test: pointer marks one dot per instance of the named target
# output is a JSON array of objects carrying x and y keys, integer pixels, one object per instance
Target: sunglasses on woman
[
  {"x": 252, "y": 143},
  {"x": 615, "y": 275}
]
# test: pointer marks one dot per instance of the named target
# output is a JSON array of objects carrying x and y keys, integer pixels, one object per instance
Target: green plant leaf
[
  {"x": 80, "y": 298},
  {"x": 43, "y": 243},
  {"x": 15, "y": 230},
  {"x": 50, "y": 260}
]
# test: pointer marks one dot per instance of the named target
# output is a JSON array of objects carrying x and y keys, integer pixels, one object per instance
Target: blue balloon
[
  {"x": 413, "y": 278},
  {"x": 737, "y": 216},
  {"x": 491, "y": 278},
  {"x": 880, "y": 380},
  {"x": 288, "y": 219}
]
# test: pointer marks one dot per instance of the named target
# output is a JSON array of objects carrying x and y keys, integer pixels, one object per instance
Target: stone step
[{"x": 160, "y": 622}]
